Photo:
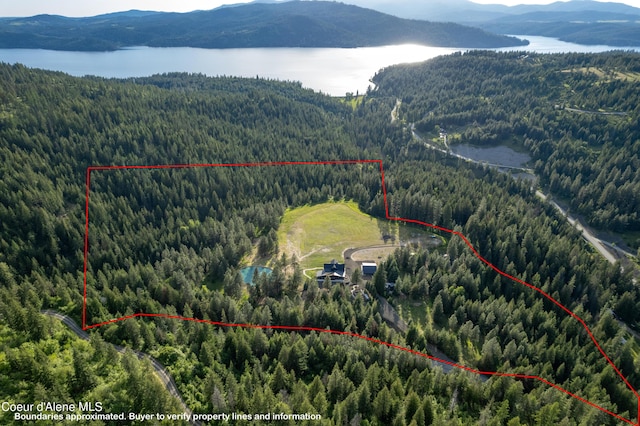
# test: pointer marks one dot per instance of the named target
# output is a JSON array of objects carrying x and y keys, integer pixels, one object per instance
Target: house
[
  {"x": 369, "y": 268},
  {"x": 334, "y": 271}
]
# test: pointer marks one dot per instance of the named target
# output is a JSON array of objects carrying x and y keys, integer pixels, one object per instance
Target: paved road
[
  {"x": 448, "y": 151},
  {"x": 599, "y": 245},
  {"x": 592, "y": 239},
  {"x": 162, "y": 372},
  {"x": 609, "y": 251},
  {"x": 69, "y": 322}
]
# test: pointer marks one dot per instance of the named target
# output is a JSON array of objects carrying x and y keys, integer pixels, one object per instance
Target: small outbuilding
[{"x": 369, "y": 268}]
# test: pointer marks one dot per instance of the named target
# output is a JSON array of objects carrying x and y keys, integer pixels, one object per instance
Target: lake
[
  {"x": 332, "y": 71},
  {"x": 500, "y": 156},
  {"x": 329, "y": 70}
]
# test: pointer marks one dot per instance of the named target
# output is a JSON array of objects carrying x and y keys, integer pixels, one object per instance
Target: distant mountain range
[
  {"x": 586, "y": 22},
  {"x": 281, "y": 24}
]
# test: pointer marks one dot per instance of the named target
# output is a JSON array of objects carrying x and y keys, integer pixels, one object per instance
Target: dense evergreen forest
[
  {"x": 577, "y": 114},
  {"x": 171, "y": 242}
]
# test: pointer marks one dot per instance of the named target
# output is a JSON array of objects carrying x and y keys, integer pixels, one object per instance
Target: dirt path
[
  {"x": 304, "y": 272},
  {"x": 394, "y": 111},
  {"x": 390, "y": 315}
]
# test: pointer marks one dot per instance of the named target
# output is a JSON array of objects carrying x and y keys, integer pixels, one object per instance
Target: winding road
[
  {"x": 608, "y": 250},
  {"x": 160, "y": 370}
]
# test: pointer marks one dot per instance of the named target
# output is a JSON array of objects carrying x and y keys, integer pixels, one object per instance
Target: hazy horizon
[{"x": 77, "y": 8}]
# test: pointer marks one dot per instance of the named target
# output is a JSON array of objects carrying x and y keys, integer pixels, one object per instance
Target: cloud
[{"x": 97, "y": 7}]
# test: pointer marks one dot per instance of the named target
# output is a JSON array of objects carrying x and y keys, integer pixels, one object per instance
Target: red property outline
[{"x": 319, "y": 330}]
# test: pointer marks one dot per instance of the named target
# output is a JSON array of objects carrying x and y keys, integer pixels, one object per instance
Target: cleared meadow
[{"x": 319, "y": 233}]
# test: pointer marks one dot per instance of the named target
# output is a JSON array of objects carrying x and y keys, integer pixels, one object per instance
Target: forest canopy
[
  {"x": 171, "y": 241},
  {"x": 577, "y": 114}
]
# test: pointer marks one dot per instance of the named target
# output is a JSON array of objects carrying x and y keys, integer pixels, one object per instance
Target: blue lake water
[
  {"x": 328, "y": 70},
  {"x": 248, "y": 272}
]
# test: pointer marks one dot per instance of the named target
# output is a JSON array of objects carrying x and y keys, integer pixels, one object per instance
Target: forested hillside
[
  {"x": 281, "y": 24},
  {"x": 171, "y": 241},
  {"x": 577, "y": 114}
]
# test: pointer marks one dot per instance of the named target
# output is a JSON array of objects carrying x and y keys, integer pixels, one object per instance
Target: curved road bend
[
  {"x": 598, "y": 244},
  {"x": 162, "y": 372}
]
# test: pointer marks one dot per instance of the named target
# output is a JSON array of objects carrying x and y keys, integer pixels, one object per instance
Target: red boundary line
[{"x": 345, "y": 333}]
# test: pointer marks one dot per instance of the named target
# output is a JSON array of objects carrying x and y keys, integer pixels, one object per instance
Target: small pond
[
  {"x": 494, "y": 155},
  {"x": 248, "y": 272}
]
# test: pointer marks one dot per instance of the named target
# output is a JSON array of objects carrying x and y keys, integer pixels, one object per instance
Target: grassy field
[
  {"x": 316, "y": 234},
  {"x": 352, "y": 100},
  {"x": 607, "y": 75}
]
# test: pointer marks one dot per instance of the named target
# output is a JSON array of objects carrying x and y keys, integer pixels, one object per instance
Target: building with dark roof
[
  {"x": 334, "y": 271},
  {"x": 369, "y": 268}
]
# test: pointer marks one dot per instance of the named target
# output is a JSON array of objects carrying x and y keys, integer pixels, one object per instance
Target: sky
[{"x": 96, "y": 7}]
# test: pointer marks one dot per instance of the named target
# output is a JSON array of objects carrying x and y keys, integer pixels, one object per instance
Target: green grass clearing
[
  {"x": 607, "y": 75},
  {"x": 319, "y": 233},
  {"x": 353, "y": 100}
]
